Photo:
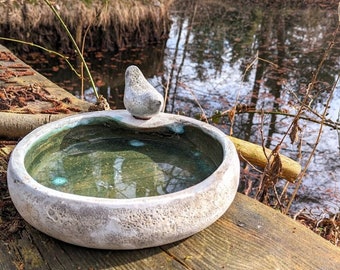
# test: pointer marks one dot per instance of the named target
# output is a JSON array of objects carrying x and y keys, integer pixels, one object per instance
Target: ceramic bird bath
[
  {"x": 107, "y": 180},
  {"x": 124, "y": 179}
]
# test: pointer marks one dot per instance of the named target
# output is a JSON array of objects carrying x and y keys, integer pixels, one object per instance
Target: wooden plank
[
  {"x": 6, "y": 261},
  {"x": 253, "y": 236},
  {"x": 30, "y": 77},
  {"x": 26, "y": 253},
  {"x": 249, "y": 236},
  {"x": 35, "y": 250},
  {"x": 55, "y": 102}
]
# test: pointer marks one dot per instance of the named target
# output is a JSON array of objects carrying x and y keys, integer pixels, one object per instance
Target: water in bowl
[{"x": 115, "y": 162}]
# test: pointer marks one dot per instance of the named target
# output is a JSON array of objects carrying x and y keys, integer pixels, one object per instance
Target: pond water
[{"x": 222, "y": 54}]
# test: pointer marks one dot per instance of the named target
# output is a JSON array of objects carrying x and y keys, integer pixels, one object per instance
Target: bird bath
[{"x": 107, "y": 180}]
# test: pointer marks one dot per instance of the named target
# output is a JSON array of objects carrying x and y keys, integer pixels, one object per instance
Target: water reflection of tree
[
  {"x": 213, "y": 31},
  {"x": 171, "y": 95},
  {"x": 282, "y": 34},
  {"x": 224, "y": 27},
  {"x": 269, "y": 75},
  {"x": 288, "y": 40},
  {"x": 294, "y": 59}
]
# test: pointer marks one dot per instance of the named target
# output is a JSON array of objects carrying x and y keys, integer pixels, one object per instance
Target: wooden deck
[{"x": 249, "y": 235}]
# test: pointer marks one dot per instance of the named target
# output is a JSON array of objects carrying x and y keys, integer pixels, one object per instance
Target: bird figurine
[{"x": 141, "y": 99}]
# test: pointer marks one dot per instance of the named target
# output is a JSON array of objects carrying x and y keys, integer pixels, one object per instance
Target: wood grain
[
  {"x": 249, "y": 235},
  {"x": 253, "y": 236}
]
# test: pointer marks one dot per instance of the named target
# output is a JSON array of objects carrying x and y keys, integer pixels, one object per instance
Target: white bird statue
[{"x": 141, "y": 99}]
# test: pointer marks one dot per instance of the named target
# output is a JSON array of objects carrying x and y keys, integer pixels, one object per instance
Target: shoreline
[{"x": 113, "y": 26}]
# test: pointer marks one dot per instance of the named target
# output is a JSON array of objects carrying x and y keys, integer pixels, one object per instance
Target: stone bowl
[{"x": 133, "y": 223}]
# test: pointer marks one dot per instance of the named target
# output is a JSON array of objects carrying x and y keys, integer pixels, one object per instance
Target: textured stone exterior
[{"x": 141, "y": 99}]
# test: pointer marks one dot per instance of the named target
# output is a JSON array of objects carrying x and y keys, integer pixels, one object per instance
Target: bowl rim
[{"x": 163, "y": 119}]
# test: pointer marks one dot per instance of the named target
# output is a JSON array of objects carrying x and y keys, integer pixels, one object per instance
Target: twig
[
  {"x": 75, "y": 46},
  {"x": 45, "y": 49},
  {"x": 196, "y": 100},
  {"x": 262, "y": 136},
  {"x": 338, "y": 129},
  {"x": 166, "y": 92},
  {"x": 300, "y": 178},
  {"x": 253, "y": 63},
  {"x": 326, "y": 122},
  {"x": 82, "y": 64}
]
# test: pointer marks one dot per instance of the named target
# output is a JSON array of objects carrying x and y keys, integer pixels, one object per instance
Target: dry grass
[{"x": 113, "y": 24}]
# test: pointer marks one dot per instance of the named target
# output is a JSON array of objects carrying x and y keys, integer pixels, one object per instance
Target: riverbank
[{"x": 108, "y": 25}]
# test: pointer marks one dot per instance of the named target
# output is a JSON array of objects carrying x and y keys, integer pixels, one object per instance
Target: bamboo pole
[{"x": 254, "y": 154}]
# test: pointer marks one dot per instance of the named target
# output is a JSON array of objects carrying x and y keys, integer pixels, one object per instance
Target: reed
[{"x": 113, "y": 24}]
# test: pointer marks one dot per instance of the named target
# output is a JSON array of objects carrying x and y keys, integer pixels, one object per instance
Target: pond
[{"x": 221, "y": 55}]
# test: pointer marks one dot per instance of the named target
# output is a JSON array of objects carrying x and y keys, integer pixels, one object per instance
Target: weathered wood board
[
  {"x": 28, "y": 99},
  {"x": 249, "y": 235}
]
